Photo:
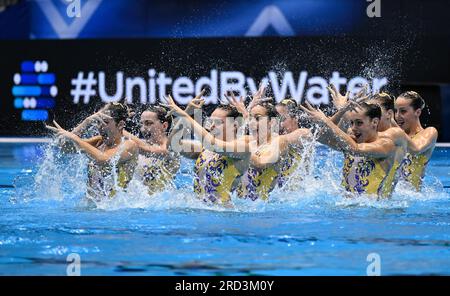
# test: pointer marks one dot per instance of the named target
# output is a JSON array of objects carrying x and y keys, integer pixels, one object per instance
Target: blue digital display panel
[{"x": 34, "y": 90}]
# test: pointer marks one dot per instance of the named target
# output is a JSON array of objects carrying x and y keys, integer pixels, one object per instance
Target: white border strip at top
[{"x": 47, "y": 140}]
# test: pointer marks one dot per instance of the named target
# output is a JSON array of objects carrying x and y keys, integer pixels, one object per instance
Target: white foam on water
[{"x": 62, "y": 177}]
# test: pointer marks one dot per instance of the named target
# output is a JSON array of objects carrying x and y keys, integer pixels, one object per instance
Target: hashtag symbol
[{"x": 82, "y": 87}]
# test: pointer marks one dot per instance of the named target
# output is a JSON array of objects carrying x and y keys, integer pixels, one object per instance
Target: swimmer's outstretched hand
[
  {"x": 315, "y": 114},
  {"x": 196, "y": 103},
  {"x": 237, "y": 103},
  {"x": 59, "y": 131},
  {"x": 170, "y": 104},
  {"x": 257, "y": 97},
  {"x": 339, "y": 101}
]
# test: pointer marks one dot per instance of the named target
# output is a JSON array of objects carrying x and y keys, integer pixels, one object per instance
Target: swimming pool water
[{"x": 311, "y": 231}]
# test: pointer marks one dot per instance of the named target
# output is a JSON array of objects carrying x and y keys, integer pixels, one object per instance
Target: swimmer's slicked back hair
[
  {"x": 385, "y": 100},
  {"x": 270, "y": 109},
  {"x": 232, "y": 111},
  {"x": 291, "y": 106},
  {"x": 117, "y": 111},
  {"x": 161, "y": 114},
  {"x": 416, "y": 100},
  {"x": 371, "y": 110}
]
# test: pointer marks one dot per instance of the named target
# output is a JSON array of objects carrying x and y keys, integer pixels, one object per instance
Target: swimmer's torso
[
  {"x": 289, "y": 169},
  {"x": 413, "y": 167},
  {"x": 257, "y": 183},
  {"x": 157, "y": 171},
  {"x": 215, "y": 176},
  {"x": 103, "y": 179},
  {"x": 369, "y": 175}
]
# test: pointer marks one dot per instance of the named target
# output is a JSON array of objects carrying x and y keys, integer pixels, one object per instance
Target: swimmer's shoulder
[
  {"x": 430, "y": 132},
  {"x": 397, "y": 135}
]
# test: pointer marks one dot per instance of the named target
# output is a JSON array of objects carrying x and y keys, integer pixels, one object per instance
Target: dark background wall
[{"x": 409, "y": 44}]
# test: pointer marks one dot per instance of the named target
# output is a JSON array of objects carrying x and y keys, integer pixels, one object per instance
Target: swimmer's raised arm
[
  {"x": 238, "y": 104},
  {"x": 380, "y": 148},
  {"x": 96, "y": 118},
  {"x": 296, "y": 137},
  {"x": 87, "y": 147},
  {"x": 237, "y": 148},
  {"x": 343, "y": 104}
]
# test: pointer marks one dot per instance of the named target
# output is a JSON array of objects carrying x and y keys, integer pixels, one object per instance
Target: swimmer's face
[
  {"x": 110, "y": 129},
  {"x": 405, "y": 115},
  {"x": 150, "y": 126},
  {"x": 219, "y": 126},
  {"x": 288, "y": 123},
  {"x": 259, "y": 121},
  {"x": 362, "y": 126},
  {"x": 386, "y": 117}
]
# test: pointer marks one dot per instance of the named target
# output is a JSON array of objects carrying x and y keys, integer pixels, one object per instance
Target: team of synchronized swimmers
[{"x": 247, "y": 150}]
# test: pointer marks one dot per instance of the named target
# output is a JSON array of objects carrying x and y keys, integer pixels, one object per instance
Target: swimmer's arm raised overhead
[
  {"x": 237, "y": 148},
  {"x": 96, "y": 118},
  {"x": 87, "y": 147},
  {"x": 380, "y": 148},
  {"x": 343, "y": 104}
]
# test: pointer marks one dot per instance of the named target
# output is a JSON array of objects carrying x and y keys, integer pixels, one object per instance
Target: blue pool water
[{"x": 310, "y": 231}]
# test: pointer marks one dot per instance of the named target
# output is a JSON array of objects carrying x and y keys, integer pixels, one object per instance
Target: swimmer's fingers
[
  {"x": 352, "y": 106},
  {"x": 197, "y": 102},
  {"x": 231, "y": 100},
  {"x": 308, "y": 105},
  {"x": 170, "y": 113},
  {"x": 226, "y": 98},
  {"x": 98, "y": 118},
  {"x": 200, "y": 95},
  {"x": 52, "y": 129},
  {"x": 57, "y": 125},
  {"x": 332, "y": 89},
  {"x": 332, "y": 94},
  {"x": 103, "y": 115},
  {"x": 363, "y": 99},
  {"x": 172, "y": 106},
  {"x": 268, "y": 99},
  {"x": 362, "y": 92},
  {"x": 307, "y": 111}
]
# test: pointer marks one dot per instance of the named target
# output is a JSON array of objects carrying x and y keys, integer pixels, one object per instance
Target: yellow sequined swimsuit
[
  {"x": 289, "y": 165},
  {"x": 258, "y": 183},
  {"x": 366, "y": 175},
  {"x": 102, "y": 180},
  {"x": 214, "y": 176},
  {"x": 157, "y": 172},
  {"x": 413, "y": 169}
]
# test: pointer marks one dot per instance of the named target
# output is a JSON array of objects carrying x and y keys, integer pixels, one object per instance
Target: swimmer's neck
[
  {"x": 113, "y": 142},
  {"x": 372, "y": 138},
  {"x": 157, "y": 141},
  {"x": 416, "y": 127}
]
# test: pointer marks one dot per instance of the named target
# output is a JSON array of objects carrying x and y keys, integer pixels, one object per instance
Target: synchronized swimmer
[{"x": 251, "y": 150}]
